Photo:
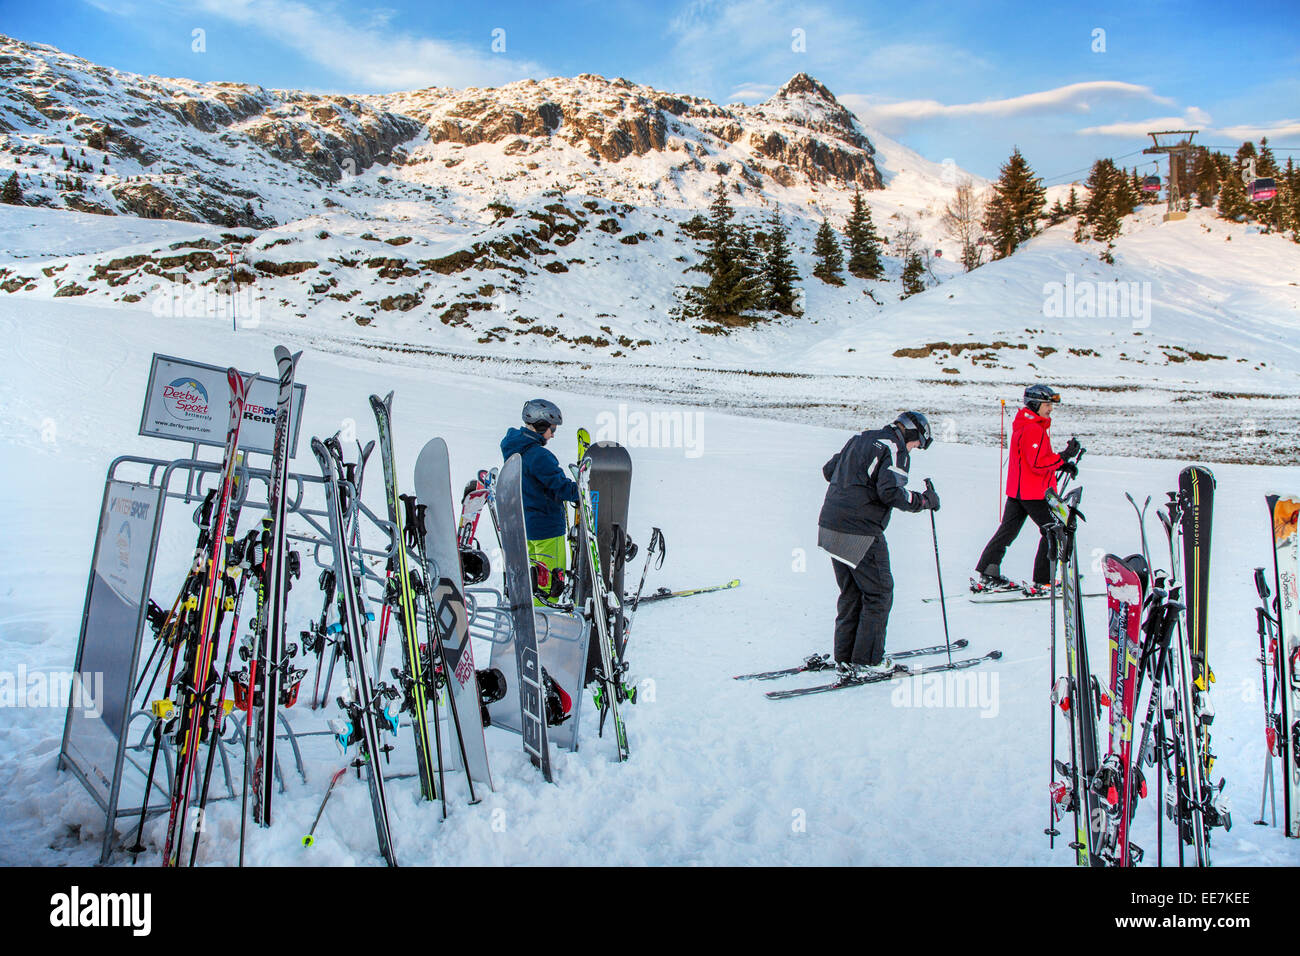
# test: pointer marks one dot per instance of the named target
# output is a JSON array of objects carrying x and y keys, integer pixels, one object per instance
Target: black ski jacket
[{"x": 868, "y": 479}]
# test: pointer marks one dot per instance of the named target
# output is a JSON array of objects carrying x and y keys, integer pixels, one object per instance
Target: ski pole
[
  {"x": 310, "y": 838},
  {"x": 1002, "y": 444},
  {"x": 1051, "y": 831},
  {"x": 943, "y": 604},
  {"x": 1077, "y": 458}
]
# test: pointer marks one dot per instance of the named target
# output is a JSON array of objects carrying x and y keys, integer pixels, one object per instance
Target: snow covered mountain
[{"x": 542, "y": 229}]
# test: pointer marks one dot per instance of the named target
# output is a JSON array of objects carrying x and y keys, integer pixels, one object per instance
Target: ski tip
[{"x": 995, "y": 655}]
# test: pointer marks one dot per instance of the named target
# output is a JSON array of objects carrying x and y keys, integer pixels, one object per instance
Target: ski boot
[{"x": 991, "y": 583}]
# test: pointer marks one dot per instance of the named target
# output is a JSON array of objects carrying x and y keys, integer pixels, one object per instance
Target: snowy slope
[{"x": 718, "y": 775}]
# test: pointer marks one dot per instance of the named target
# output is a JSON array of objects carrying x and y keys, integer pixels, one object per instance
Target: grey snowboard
[
  {"x": 446, "y": 588},
  {"x": 523, "y": 668}
]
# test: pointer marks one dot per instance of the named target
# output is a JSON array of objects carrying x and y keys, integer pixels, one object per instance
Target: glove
[
  {"x": 1072, "y": 449},
  {"x": 1068, "y": 468},
  {"x": 929, "y": 500}
]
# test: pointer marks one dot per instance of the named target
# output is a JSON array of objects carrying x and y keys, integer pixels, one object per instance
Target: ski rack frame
[{"x": 158, "y": 478}]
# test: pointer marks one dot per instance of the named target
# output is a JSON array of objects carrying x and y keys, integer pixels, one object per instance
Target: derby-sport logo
[{"x": 186, "y": 400}]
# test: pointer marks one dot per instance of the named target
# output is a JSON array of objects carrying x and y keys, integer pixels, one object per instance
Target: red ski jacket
[{"x": 1033, "y": 464}]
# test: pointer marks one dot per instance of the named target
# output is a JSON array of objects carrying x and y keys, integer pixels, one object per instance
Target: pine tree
[
  {"x": 750, "y": 286},
  {"x": 779, "y": 272},
  {"x": 864, "y": 245},
  {"x": 1292, "y": 180},
  {"x": 1011, "y": 215},
  {"x": 12, "y": 193},
  {"x": 1056, "y": 214},
  {"x": 913, "y": 273},
  {"x": 1232, "y": 199},
  {"x": 1101, "y": 211},
  {"x": 1072, "y": 205},
  {"x": 1271, "y": 212},
  {"x": 729, "y": 291},
  {"x": 830, "y": 260}
]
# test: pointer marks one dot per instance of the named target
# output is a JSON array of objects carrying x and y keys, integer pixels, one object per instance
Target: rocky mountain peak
[{"x": 803, "y": 83}]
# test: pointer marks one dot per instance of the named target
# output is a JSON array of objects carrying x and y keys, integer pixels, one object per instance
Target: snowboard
[
  {"x": 523, "y": 707},
  {"x": 446, "y": 592},
  {"x": 611, "y": 484},
  {"x": 1286, "y": 568}
]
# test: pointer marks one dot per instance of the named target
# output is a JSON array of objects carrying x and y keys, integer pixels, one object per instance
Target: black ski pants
[
  {"x": 862, "y": 614},
  {"x": 1013, "y": 519}
]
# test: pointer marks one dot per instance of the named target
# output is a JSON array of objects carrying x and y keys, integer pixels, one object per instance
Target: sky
[{"x": 1065, "y": 82}]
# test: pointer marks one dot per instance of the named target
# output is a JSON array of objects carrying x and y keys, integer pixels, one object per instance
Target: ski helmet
[
  {"x": 539, "y": 411},
  {"x": 1035, "y": 395},
  {"x": 915, "y": 427},
  {"x": 491, "y": 685},
  {"x": 1139, "y": 565},
  {"x": 474, "y": 566}
]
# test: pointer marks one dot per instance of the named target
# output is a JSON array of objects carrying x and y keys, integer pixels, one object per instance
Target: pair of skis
[
  {"x": 822, "y": 662},
  {"x": 1282, "y": 705},
  {"x": 900, "y": 670}
]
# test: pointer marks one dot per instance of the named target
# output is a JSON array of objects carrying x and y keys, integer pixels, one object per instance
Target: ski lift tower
[{"x": 1177, "y": 143}]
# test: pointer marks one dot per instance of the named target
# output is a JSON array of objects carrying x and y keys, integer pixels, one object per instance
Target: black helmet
[
  {"x": 1035, "y": 395},
  {"x": 539, "y": 411},
  {"x": 915, "y": 427}
]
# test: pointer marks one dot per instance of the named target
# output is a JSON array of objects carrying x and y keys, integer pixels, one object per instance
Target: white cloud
[
  {"x": 751, "y": 94},
  {"x": 1288, "y": 127},
  {"x": 367, "y": 54},
  {"x": 1075, "y": 97},
  {"x": 1129, "y": 129},
  {"x": 710, "y": 37}
]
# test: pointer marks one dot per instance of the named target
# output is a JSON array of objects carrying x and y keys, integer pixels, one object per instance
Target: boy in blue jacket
[{"x": 546, "y": 487}]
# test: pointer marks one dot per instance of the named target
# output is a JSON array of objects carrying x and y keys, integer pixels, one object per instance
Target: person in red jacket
[{"x": 1033, "y": 470}]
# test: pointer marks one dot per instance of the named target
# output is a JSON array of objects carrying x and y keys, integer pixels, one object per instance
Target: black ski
[
  {"x": 899, "y": 671},
  {"x": 822, "y": 662}
]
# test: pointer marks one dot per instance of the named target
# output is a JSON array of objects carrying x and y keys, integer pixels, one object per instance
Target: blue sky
[{"x": 950, "y": 80}]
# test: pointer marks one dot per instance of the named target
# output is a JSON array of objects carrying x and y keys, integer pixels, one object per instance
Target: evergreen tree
[
  {"x": 1205, "y": 177},
  {"x": 864, "y": 244},
  {"x": 913, "y": 273},
  {"x": 12, "y": 193},
  {"x": 1271, "y": 212},
  {"x": 1056, "y": 214},
  {"x": 750, "y": 286},
  {"x": 1011, "y": 216},
  {"x": 830, "y": 260},
  {"x": 1266, "y": 164},
  {"x": 779, "y": 272},
  {"x": 1232, "y": 199},
  {"x": 1101, "y": 211},
  {"x": 729, "y": 291},
  {"x": 1072, "y": 205},
  {"x": 1292, "y": 180}
]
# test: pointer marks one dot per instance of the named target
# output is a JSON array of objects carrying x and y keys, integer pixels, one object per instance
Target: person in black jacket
[{"x": 868, "y": 480}]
